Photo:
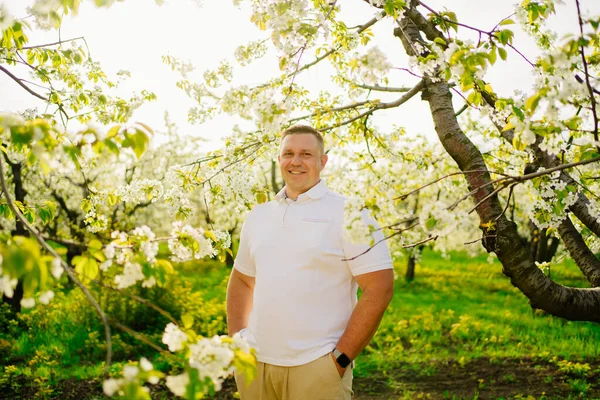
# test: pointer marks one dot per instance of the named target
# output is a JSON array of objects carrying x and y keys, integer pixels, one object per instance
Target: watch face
[{"x": 343, "y": 360}]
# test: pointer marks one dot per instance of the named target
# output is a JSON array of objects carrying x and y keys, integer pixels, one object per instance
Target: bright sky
[{"x": 135, "y": 34}]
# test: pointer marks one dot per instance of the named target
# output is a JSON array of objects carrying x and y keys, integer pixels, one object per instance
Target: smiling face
[{"x": 301, "y": 161}]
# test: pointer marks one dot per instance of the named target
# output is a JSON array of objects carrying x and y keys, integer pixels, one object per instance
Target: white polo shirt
[{"x": 305, "y": 292}]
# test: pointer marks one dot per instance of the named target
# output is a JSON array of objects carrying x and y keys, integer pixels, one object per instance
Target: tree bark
[
  {"x": 543, "y": 248},
  {"x": 580, "y": 252},
  {"x": 20, "y": 230},
  {"x": 511, "y": 249},
  {"x": 410, "y": 266}
]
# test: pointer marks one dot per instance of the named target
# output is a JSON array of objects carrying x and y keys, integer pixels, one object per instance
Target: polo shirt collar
[{"x": 316, "y": 192}]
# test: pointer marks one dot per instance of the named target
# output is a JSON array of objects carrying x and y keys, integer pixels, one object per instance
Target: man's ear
[
  {"x": 279, "y": 158},
  {"x": 324, "y": 159}
]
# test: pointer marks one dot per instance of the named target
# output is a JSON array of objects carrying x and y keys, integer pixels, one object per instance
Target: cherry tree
[
  {"x": 501, "y": 163},
  {"x": 542, "y": 168}
]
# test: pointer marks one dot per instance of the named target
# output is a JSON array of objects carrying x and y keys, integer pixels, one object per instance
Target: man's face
[{"x": 301, "y": 162}]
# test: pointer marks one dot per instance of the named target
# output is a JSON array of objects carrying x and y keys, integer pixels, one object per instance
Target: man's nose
[{"x": 296, "y": 160}]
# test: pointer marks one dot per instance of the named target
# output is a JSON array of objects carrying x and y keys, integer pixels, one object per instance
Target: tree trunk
[
  {"x": 543, "y": 247},
  {"x": 276, "y": 187},
  {"x": 512, "y": 251},
  {"x": 410, "y": 267},
  {"x": 20, "y": 230}
]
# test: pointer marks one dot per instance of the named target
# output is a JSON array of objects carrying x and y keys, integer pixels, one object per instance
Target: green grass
[
  {"x": 465, "y": 307},
  {"x": 457, "y": 311}
]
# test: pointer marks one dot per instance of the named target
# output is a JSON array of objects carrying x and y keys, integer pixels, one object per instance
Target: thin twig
[
  {"x": 409, "y": 246},
  {"x": 587, "y": 76},
  {"x": 490, "y": 34},
  {"x": 378, "y": 88},
  {"x": 522, "y": 178},
  {"x": 138, "y": 299},
  {"x": 404, "y": 196},
  {"x": 480, "y": 239},
  {"x": 507, "y": 201},
  {"x": 330, "y": 110},
  {"x": 138, "y": 336},
  {"x": 489, "y": 195},
  {"x": 381, "y": 106},
  {"x": 361, "y": 29},
  {"x": 371, "y": 247},
  {"x": 24, "y": 86},
  {"x": 52, "y": 44},
  {"x": 462, "y": 109}
]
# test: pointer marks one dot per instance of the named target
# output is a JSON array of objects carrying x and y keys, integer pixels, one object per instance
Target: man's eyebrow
[{"x": 301, "y": 150}]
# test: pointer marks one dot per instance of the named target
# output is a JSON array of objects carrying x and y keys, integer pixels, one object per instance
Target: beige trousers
[{"x": 317, "y": 380}]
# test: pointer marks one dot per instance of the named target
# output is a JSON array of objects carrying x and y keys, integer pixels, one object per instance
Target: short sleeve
[
  {"x": 243, "y": 261},
  {"x": 376, "y": 259}
]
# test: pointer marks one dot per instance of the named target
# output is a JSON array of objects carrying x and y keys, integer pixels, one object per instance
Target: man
[{"x": 292, "y": 291}]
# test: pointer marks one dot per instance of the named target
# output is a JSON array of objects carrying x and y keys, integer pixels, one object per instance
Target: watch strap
[{"x": 341, "y": 358}]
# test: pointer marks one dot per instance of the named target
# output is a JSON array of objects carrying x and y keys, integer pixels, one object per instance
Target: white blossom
[
  {"x": 132, "y": 273},
  {"x": 111, "y": 386},
  {"x": 177, "y": 384},
  {"x": 8, "y": 285},
  {"x": 212, "y": 359},
  {"x": 174, "y": 337},
  {"x": 57, "y": 269},
  {"x": 46, "y": 297},
  {"x": 28, "y": 302},
  {"x": 130, "y": 372},
  {"x": 145, "y": 364}
]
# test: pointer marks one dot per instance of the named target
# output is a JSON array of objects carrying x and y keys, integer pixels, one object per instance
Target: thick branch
[
  {"x": 511, "y": 249},
  {"x": 546, "y": 160},
  {"x": 580, "y": 252}
]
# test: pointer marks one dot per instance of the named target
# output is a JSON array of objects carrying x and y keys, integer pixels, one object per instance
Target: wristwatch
[{"x": 342, "y": 359}]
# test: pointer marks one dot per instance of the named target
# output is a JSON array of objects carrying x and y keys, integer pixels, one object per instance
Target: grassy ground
[{"x": 460, "y": 330}]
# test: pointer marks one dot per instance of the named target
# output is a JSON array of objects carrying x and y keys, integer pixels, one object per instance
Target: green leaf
[
  {"x": 86, "y": 205},
  {"x": 507, "y": 22},
  {"x": 508, "y": 127},
  {"x": 188, "y": 321},
  {"x": 5, "y": 211},
  {"x": 85, "y": 266},
  {"x": 440, "y": 41},
  {"x": 431, "y": 223},
  {"x": 95, "y": 245},
  {"x": 112, "y": 199},
  {"x": 517, "y": 143},
  {"x": 282, "y": 63},
  {"x": 502, "y": 53},
  {"x": 114, "y": 131},
  {"x": 47, "y": 212},
  {"x": 532, "y": 103},
  {"x": 165, "y": 265},
  {"x": 492, "y": 55}
]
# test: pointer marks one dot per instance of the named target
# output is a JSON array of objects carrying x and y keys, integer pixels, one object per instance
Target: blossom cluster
[
  {"x": 134, "y": 376},
  {"x": 372, "y": 67},
  {"x": 211, "y": 358},
  {"x": 188, "y": 243},
  {"x": 551, "y": 198}
]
